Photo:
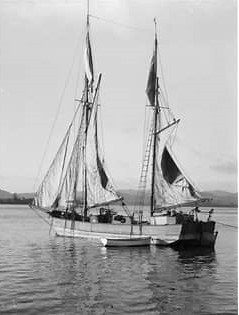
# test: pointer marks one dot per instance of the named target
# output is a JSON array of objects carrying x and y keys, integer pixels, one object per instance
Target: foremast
[
  {"x": 86, "y": 108},
  {"x": 81, "y": 168},
  {"x": 89, "y": 80}
]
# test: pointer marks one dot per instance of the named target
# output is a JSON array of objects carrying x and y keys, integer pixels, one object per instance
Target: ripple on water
[{"x": 43, "y": 274}]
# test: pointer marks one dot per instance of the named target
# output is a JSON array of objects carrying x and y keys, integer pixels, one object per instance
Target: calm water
[{"x": 44, "y": 274}]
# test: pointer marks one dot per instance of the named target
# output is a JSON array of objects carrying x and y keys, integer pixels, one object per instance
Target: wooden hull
[
  {"x": 196, "y": 234},
  {"x": 126, "y": 242}
]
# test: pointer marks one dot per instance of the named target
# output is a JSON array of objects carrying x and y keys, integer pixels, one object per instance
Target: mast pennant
[
  {"x": 152, "y": 78},
  {"x": 89, "y": 70}
]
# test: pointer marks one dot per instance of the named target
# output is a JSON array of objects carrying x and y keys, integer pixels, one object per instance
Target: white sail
[
  {"x": 48, "y": 190},
  {"x": 99, "y": 188},
  {"x": 172, "y": 188},
  {"x": 73, "y": 174}
]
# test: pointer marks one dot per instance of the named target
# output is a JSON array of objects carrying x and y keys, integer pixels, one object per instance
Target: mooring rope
[{"x": 228, "y": 225}]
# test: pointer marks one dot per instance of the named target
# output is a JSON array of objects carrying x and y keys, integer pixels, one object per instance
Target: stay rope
[
  {"x": 117, "y": 23},
  {"x": 227, "y": 225},
  {"x": 41, "y": 217},
  {"x": 58, "y": 110}
]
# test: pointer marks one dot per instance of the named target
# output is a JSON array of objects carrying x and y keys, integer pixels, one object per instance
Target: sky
[{"x": 41, "y": 66}]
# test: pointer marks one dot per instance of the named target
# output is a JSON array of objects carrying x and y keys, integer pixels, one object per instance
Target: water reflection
[
  {"x": 142, "y": 280},
  {"x": 181, "y": 281},
  {"x": 207, "y": 255},
  {"x": 42, "y": 274},
  {"x": 85, "y": 278}
]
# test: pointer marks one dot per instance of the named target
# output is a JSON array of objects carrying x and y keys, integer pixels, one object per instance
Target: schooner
[{"x": 77, "y": 191}]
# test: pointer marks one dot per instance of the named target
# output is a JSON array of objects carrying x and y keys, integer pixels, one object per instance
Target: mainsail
[{"x": 172, "y": 187}]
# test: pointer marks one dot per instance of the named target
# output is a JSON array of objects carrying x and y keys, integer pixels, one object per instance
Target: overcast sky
[{"x": 40, "y": 40}]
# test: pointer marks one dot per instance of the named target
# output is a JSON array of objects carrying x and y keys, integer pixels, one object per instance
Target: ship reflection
[
  {"x": 201, "y": 256},
  {"x": 141, "y": 280}
]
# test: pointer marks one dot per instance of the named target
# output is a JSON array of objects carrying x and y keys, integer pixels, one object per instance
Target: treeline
[{"x": 16, "y": 201}]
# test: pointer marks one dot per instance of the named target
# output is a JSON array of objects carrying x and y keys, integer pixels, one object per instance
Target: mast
[
  {"x": 156, "y": 109},
  {"x": 155, "y": 128},
  {"x": 169, "y": 185},
  {"x": 86, "y": 111}
]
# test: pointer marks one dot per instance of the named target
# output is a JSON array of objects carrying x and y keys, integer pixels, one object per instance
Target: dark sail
[
  {"x": 103, "y": 176},
  {"x": 152, "y": 78},
  {"x": 169, "y": 168}
]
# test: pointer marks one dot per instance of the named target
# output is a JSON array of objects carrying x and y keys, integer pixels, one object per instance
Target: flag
[
  {"x": 89, "y": 71},
  {"x": 151, "y": 84}
]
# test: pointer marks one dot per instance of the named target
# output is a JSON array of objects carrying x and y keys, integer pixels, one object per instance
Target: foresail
[
  {"x": 99, "y": 188},
  {"x": 172, "y": 188},
  {"x": 47, "y": 192},
  {"x": 73, "y": 174}
]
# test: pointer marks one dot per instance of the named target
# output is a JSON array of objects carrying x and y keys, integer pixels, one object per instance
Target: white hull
[
  {"x": 67, "y": 232},
  {"x": 163, "y": 242},
  {"x": 159, "y": 234}
]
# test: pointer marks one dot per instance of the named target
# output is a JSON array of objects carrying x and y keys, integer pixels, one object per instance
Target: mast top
[
  {"x": 155, "y": 28},
  {"x": 88, "y": 12}
]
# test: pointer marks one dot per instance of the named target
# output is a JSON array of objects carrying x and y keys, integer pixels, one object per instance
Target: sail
[
  {"x": 89, "y": 70},
  {"x": 169, "y": 186},
  {"x": 172, "y": 187},
  {"x": 73, "y": 174},
  {"x": 48, "y": 190},
  {"x": 100, "y": 190},
  {"x": 152, "y": 78}
]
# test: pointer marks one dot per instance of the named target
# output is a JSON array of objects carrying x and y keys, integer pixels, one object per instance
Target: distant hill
[
  {"x": 26, "y": 195},
  {"x": 219, "y": 198},
  {"x": 5, "y": 194},
  {"x": 14, "y": 198}
]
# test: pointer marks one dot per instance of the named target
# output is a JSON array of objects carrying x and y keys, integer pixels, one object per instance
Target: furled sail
[
  {"x": 48, "y": 190},
  {"x": 172, "y": 187},
  {"x": 99, "y": 188}
]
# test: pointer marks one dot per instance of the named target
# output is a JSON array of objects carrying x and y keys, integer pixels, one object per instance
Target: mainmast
[
  {"x": 155, "y": 128},
  {"x": 155, "y": 103}
]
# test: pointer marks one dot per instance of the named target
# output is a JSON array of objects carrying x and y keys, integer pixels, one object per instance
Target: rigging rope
[
  {"x": 228, "y": 225},
  {"x": 41, "y": 217},
  {"x": 80, "y": 64},
  {"x": 101, "y": 129},
  {"x": 58, "y": 110},
  {"x": 117, "y": 23}
]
